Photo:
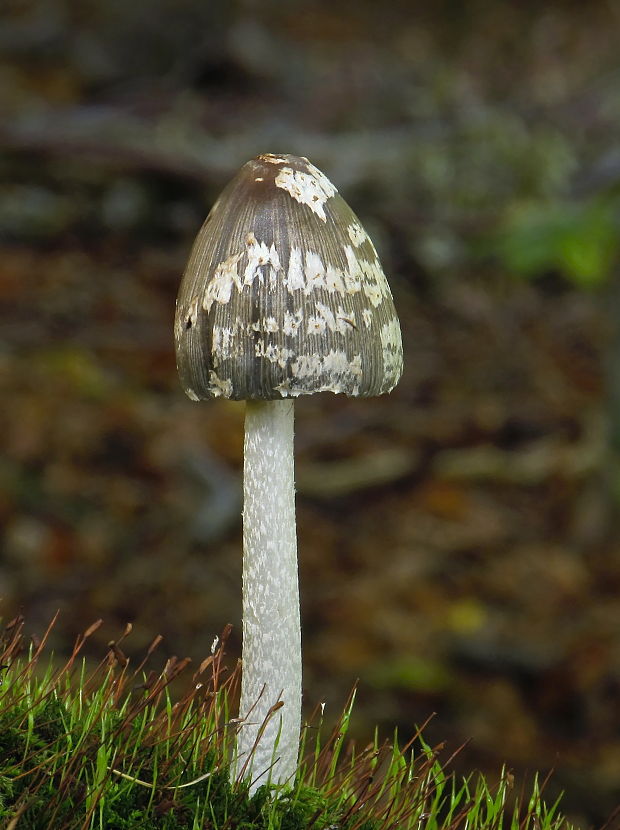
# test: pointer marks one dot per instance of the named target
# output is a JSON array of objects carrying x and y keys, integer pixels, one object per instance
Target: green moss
[
  {"x": 86, "y": 756},
  {"x": 12, "y": 743},
  {"x": 50, "y": 721}
]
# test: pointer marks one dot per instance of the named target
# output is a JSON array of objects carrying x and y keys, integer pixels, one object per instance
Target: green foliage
[
  {"x": 110, "y": 750},
  {"x": 411, "y": 673},
  {"x": 581, "y": 240}
]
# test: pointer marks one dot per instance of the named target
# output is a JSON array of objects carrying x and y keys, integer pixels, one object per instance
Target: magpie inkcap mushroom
[{"x": 283, "y": 295}]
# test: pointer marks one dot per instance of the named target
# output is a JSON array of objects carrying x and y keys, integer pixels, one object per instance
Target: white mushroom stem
[{"x": 268, "y": 740}]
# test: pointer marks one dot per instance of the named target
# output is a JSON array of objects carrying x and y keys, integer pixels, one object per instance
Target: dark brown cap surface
[{"x": 283, "y": 294}]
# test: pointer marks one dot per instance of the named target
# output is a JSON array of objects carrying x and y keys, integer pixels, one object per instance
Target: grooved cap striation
[{"x": 283, "y": 294}]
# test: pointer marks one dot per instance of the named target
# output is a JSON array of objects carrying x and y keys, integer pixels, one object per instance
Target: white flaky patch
[
  {"x": 259, "y": 255},
  {"x": 334, "y": 279},
  {"x": 186, "y": 320},
  {"x": 325, "y": 314},
  {"x": 285, "y": 389},
  {"x": 375, "y": 284},
  {"x": 222, "y": 343},
  {"x": 367, "y": 317},
  {"x": 308, "y": 272},
  {"x": 373, "y": 292},
  {"x": 272, "y": 159},
  {"x": 219, "y": 387},
  {"x": 309, "y": 366},
  {"x": 263, "y": 263},
  {"x": 220, "y": 287},
  {"x": 390, "y": 335},
  {"x": 193, "y": 312},
  {"x": 314, "y": 272},
  {"x": 316, "y": 325},
  {"x": 338, "y": 372},
  {"x": 292, "y": 322},
  {"x": 295, "y": 275},
  {"x": 273, "y": 352},
  {"x": 310, "y": 188},
  {"x": 353, "y": 274},
  {"x": 357, "y": 234},
  {"x": 339, "y": 322},
  {"x": 392, "y": 346},
  {"x": 339, "y": 363}
]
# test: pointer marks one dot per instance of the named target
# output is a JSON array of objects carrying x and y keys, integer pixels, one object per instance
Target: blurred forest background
[{"x": 459, "y": 539}]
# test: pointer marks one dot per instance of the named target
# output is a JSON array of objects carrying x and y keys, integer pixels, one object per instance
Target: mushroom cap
[{"x": 283, "y": 294}]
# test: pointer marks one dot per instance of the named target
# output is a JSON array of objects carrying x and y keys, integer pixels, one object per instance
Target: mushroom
[{"x": 283, "y": 295}]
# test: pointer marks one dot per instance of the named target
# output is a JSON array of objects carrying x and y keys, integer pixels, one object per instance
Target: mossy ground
[{"x": 109, "y": 749}]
